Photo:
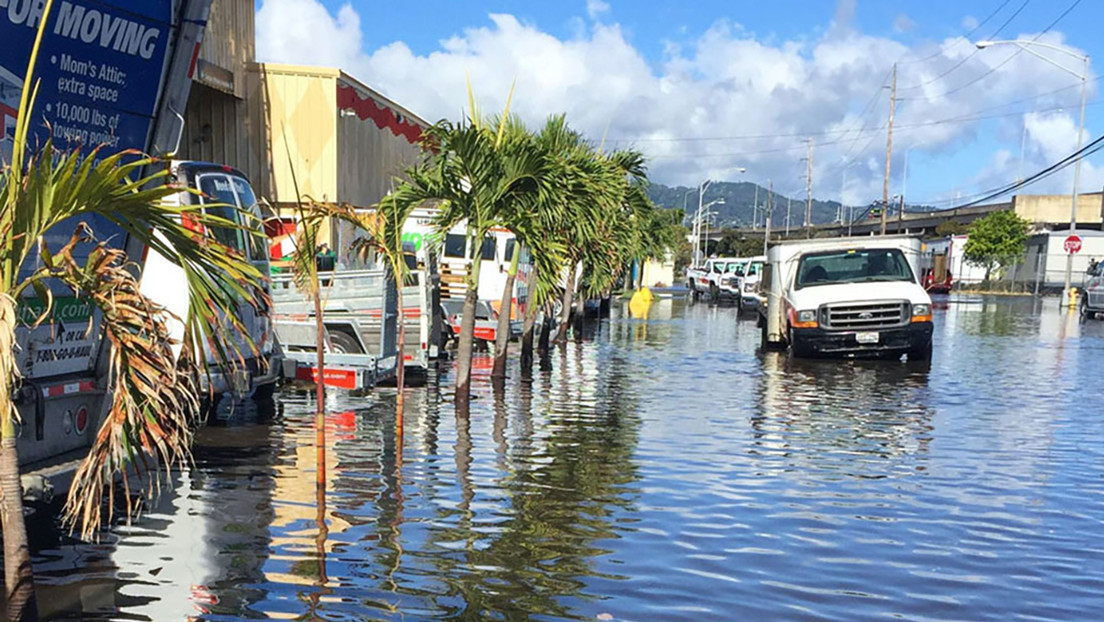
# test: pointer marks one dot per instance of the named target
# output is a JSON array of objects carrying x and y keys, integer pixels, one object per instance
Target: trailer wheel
[
  {"x": 264, "y": 392},
  {"x": 344, "y": 343}
]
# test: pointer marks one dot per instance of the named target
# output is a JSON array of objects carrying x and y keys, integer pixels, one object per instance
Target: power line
[
  {"x": 1018, "y": 51},
  {"x": 968, "y": 56},
  {"x": 965, "y": 36}
]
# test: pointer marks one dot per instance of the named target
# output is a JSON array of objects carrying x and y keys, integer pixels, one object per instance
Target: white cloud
[
  {"x": 595, "y": 8},
  {"x": 726, "y": 82},
  {"x": 903, "y": 23},
  {"x": 969, "y": 22}
]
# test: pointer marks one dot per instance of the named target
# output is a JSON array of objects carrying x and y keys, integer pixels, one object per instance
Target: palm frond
[{"x": 148, "y": 428}]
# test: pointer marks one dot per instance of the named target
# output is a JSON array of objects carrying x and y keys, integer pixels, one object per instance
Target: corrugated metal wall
[
  {"x": 370, "y": 156},
  {"x": 229, "y": 39}
]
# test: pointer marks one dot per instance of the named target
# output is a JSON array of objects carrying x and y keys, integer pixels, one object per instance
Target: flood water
[{"x": 663, "y": 470}]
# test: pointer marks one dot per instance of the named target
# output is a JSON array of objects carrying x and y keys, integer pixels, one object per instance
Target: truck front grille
[{"x": 865, "y": 316}]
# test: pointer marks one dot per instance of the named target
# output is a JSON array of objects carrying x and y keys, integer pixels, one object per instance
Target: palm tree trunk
[
  {"x": 565, "y": 312},
  {"x": 400, "y": 369},
  {"x": 18, "y": 574},
  {"x": 502, "y": 334},
  {"x": 580, "y": 316},
  {"x": 467, "y": 334},
  {"x": 531, "y": 310},
  {"x": 545, "y": 338}
]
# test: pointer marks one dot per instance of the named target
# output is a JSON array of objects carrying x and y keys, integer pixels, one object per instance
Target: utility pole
[
  {"x": 809, "y": 191},
  {"x": 770, "y": 208},
  {"x": 755, "y": 209},
  {"x": 788, "y": 201},
  {"x": 889, "y": 148}
]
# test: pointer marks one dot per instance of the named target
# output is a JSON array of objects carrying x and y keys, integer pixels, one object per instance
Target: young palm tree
[
  {"x": 600, "y": 225},
  {"x": 154, "y": 396},
  {"x": 383, "y": 229}
]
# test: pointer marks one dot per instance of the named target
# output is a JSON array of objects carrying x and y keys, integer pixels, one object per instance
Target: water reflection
[{"x": 662, "y": 469}]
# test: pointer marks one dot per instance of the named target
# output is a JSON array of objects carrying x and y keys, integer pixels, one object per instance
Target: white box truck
[{"x": 846, "y": 297}]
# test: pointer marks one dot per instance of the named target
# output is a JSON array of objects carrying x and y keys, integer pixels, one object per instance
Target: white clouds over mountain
[{"x": 727, "y": 82}]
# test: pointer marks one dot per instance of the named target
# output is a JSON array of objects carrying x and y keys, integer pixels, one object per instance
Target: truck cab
[
  {"x": 747, "y": 283},
  {"x": 231, "y": 197},
  {"x": 846, "y": 297}
]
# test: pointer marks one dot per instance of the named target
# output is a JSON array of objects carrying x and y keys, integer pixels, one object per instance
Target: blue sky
[{"x": 691, "y": 82}]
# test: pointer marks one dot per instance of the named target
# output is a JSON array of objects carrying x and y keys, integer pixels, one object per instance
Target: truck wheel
[
  {"x": 344, "y": 343},
  {"x": 264, "y": 392},
  {"x": 798, "y": 349},
  {"x": 921, "y": 353}
]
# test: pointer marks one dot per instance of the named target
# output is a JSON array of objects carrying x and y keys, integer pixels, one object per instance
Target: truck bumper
[
  {"x": 820, "y": 342},
  {"x": 243, "y": 382}
]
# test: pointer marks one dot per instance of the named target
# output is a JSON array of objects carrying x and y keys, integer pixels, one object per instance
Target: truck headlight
[
  {"x": 921, "y": 312},
  {"x": 806, "y": 319}
]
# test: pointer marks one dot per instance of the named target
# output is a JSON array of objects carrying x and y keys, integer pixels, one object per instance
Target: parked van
[
  {"x": 231, "y": 197},
  {"x": 847, "y": 297}
]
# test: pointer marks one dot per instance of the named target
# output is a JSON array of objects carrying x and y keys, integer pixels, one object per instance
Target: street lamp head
[
  {"x": 981, "y": 45},
  {"x": 741, "y": 170}
]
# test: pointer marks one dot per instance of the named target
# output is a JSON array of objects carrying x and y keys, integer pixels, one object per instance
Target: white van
[
  {"x": 847, "y": 297},
  {"x": 164, "y": 282}
]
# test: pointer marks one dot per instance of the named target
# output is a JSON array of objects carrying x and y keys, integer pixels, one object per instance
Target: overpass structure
[{"x": 1044, "y": 212}]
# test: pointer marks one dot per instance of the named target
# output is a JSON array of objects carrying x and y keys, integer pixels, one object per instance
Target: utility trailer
[{"x": 360, "y": 328}]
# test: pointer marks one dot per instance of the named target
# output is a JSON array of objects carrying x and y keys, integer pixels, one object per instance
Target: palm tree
[
  {"x": 477, "y": 172},
  {"x": 383, "y": 229},
  {"x": 601, "y": 233},
  {"x": 154, "y": 394},
  {"x": 529, "y": 219}
]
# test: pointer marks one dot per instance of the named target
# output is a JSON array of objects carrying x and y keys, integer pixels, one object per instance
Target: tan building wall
[{"x": 1055, "y": 208}]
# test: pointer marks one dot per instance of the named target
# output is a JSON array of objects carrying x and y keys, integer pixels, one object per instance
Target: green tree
[
  {"x": 951, "y": 227},
  {"x": 154, "y": 394},
  {"x": 996, "y": 240}
]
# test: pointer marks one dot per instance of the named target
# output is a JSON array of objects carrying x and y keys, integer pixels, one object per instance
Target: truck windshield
[{"x": 853, "y": 266}]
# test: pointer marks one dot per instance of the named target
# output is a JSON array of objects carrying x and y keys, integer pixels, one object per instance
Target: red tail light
[{"x": 81, "y": 420}]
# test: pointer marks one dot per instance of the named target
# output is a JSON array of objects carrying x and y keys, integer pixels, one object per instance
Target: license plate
[{"x": 866, "y": 337}]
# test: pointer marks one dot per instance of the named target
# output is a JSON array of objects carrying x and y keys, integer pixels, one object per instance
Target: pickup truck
[
  {"x": 1092, "y": 293},
  {"x": 747, "y": 284},
  {"x": 717, "y": 277},
  {"x": 846, "y": 297}
]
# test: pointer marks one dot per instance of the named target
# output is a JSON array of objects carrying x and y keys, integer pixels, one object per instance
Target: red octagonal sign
[{"x": 1073, "y": 244}]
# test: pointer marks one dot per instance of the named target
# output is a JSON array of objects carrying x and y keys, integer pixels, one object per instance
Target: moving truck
[{"x": 110, "y": 72}]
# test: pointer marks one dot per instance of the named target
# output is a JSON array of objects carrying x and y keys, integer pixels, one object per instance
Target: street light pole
[
  {"x": 697, "y": 242},
  {"x": 1076, "y": 181},
  {"x": 1084, "y": 78}
]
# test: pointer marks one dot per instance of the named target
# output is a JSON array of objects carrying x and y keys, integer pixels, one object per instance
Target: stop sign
[{"x": 1073, "y": 244}]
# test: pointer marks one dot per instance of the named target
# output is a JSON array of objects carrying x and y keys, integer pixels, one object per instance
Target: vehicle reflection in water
[{"x": 663, "y": 469}]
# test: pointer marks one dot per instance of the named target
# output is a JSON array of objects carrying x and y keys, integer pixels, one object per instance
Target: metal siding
[
  {"x": 301, "y": 121},
  {"x": 370, "y": 157},
  {"x": 229, "y": 40}
]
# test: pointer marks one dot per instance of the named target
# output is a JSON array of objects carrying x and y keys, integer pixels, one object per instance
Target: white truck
[
  {"x": 716, "y": 277},
  {"x": 747, "y": 281},
  {"x": 1092, "y": 292},
  {"x": 846, "y": 297}
]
